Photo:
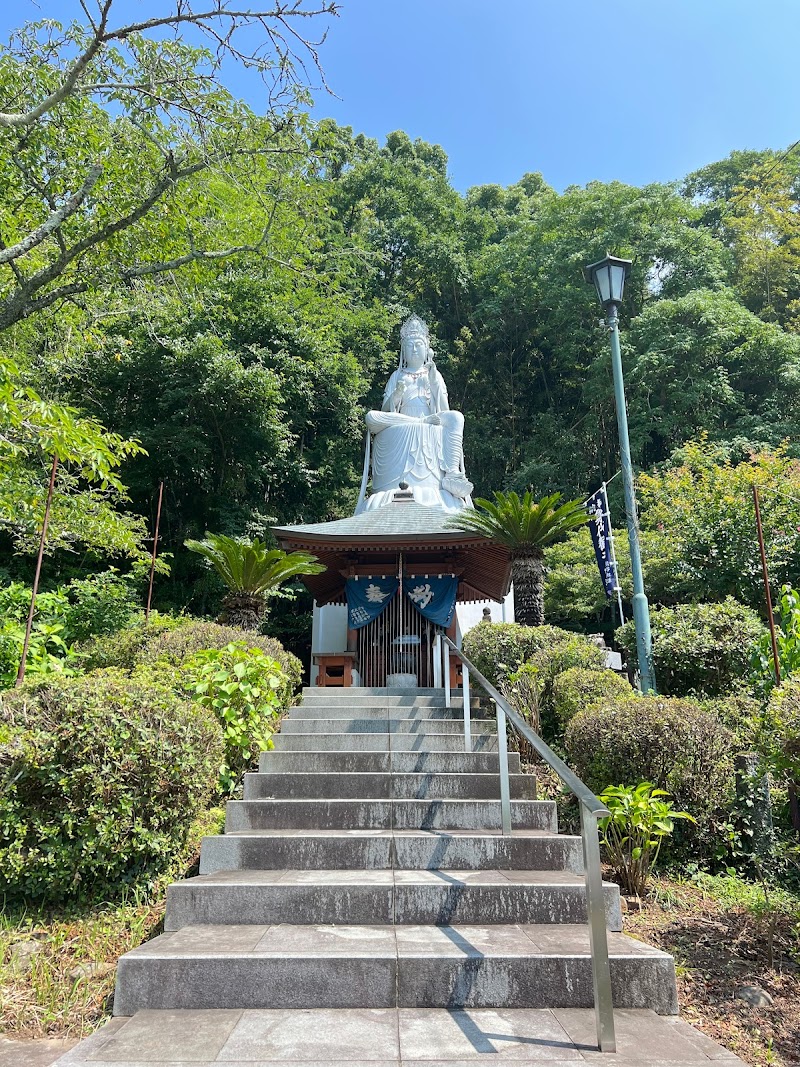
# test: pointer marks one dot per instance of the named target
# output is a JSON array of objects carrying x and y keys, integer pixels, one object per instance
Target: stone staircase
[{"x": 363, "y": 905}]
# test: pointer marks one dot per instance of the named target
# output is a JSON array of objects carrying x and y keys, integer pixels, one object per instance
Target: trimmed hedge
[
  {"x": 578, "y": 688},
  {"x": 101, "y": 776},
  {"x": 498, "y": 648},
  {"x": 675, "y": 744},
  {"x": 171, "y": 642},
  {"x": 123, "y": 648},
  {"x": 699, "y": 649}
]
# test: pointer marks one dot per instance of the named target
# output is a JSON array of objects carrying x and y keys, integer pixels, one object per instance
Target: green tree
[
  {"x": 123, "y": 149},
  {"x": 89, "y": 495},
  {"x": 700, "y": 508},
  {"x": 703, "y": 362},
  {"x": 252, "y": 573},
  {"x": 764, "y": 222},
  {"x": 525, "y": 528},
  {"x": 530, "y": 355}
]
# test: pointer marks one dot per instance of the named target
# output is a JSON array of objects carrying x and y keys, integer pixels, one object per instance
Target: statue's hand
[
  {"x": 399, "y": 390},
  {"x": 433, "y": 420}
]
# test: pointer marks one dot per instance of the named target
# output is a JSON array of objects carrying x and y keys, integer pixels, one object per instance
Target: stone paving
[
  {"x": 32, "y": 1052},
  {"x": 364, "y": 1037}
]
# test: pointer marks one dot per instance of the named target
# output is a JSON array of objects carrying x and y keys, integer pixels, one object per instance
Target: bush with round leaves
[
  {"x": 176, "y": 647},
  {"x": 577, "y": 688},
  {"x": 675, "y": 744},
  {"x": 242, "y": 687},
  {"x": 101, "y": 777},
  {"x": 699, "y": 649}
]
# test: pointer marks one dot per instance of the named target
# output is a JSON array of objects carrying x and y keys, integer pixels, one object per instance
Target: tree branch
[
  {"x": 69, "y": 207},
  {"x": 102, "y": 36},
  {"x": 71, "y": 78}
]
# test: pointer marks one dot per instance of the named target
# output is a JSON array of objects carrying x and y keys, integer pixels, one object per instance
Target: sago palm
[
  {"x": 251, "y": 572},
  {"x": 525, "y": 527}
]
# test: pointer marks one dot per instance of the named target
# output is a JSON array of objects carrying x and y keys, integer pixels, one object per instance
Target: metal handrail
[{"x": 591, "y": 809}]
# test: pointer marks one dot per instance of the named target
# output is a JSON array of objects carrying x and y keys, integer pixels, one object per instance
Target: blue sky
[{"x": 637, "y": 90}]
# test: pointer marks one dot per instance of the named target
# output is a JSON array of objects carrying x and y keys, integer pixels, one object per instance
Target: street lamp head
[{"x": 608, "y": 276}]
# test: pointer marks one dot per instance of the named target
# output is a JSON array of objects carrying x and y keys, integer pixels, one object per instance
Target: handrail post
[
  {"x": 598, "y": 934},
  {"x": 502, "y": 756},
  {"x": 437, "y": 661},
  {"x": 467, "y": 709},
  {"x": 446, "y": 669}
]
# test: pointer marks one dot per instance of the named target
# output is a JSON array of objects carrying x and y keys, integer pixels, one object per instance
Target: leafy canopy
[{"x": 88, "y": 489}]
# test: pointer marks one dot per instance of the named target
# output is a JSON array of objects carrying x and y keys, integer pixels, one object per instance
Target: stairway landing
[{"x": 390, "y": 1037}]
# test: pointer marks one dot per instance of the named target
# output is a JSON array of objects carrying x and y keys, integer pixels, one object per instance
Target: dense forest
[{"x": 226, "y": 290}]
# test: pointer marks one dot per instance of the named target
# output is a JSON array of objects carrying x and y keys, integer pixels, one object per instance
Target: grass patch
[{"x": 65, "y": 989}]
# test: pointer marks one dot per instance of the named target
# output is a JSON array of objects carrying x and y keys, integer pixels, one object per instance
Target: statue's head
[{"x": 415, "y": 344}]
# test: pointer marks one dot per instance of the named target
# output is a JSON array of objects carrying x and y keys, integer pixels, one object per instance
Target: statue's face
[{"x": 415, "y": 352}]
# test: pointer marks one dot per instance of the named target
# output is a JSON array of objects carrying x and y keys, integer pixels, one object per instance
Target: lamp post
[{"x": 608, "y": 277}]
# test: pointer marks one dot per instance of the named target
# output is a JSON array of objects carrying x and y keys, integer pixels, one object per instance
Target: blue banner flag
[
  {"x": 433, "y": 597},
  {"x": 367, "y": 598},
  {"x": 600, "y": 529}
]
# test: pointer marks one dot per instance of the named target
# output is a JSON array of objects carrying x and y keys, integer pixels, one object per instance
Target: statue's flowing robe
[{"x": 406, "y": 449}]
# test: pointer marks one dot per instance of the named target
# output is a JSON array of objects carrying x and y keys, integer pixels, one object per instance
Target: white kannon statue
[{"x": 416, "y": 439}]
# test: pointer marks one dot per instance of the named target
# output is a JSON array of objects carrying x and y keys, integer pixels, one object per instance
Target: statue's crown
[{"x": 414, "y": 327}]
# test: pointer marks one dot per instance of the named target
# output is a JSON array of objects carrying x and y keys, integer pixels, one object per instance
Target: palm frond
[
  {"x": 252, "y": 568},
  {"x": 521, "y": 524}
]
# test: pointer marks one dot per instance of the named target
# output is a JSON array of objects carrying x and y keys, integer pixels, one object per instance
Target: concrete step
[
  {"x": 307, "y": 762},
  {"x": 367, "y": 785},
  {"x": 387, "y": 1037},
  {"x": 385, "y": 726},
  {"x": 282, "y": 966},
  {"x": 386, "y": 815},
  {"x": 381, "y": 697},
  {"x": 345, "y": 711},
  {"x": 400, "y": 897},
  {"x": 384, "y": 742},
  {"x": 385, "y": 849}
]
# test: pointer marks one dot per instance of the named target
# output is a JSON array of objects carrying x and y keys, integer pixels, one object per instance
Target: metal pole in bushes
[
  {"x": 765, "y": 572},
  {"x": 32, "y": 608},
  {"x": 155, "y": 550}
]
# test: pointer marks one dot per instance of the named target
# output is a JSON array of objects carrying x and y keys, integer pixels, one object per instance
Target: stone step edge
[
  {"x": 464, "y": 931},
  {"x": 422, "y": 835}
]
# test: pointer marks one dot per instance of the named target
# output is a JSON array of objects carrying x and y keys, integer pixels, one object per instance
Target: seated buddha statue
[{"x": 415, "y": 439}]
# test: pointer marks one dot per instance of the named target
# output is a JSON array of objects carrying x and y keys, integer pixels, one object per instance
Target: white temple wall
[{"x": 471, "y": 614}]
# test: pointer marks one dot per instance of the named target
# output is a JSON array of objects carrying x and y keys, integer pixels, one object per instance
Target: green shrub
[
  {"x": 101, "y": 777},
  {"x": 675, "y": 744},
  {"x": 99, "y": 604},
  {"x": 175, "y": 647},
  {"x": 780, "y": 729},
  {"x": 242, "y": 687},
  {"x": 575, "y": 651},
  {"x": 787, "y": 641},
  {"x": 699, "y": 649},
  {"x": 741, "y": 713},
  {"x": 47, "y": 651},
  {"x": 123, "y": 648},
  {"x": 577, "y": 688},
  {"x": 639, "y": 820},
  {"x": 498, "y": 648}
]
